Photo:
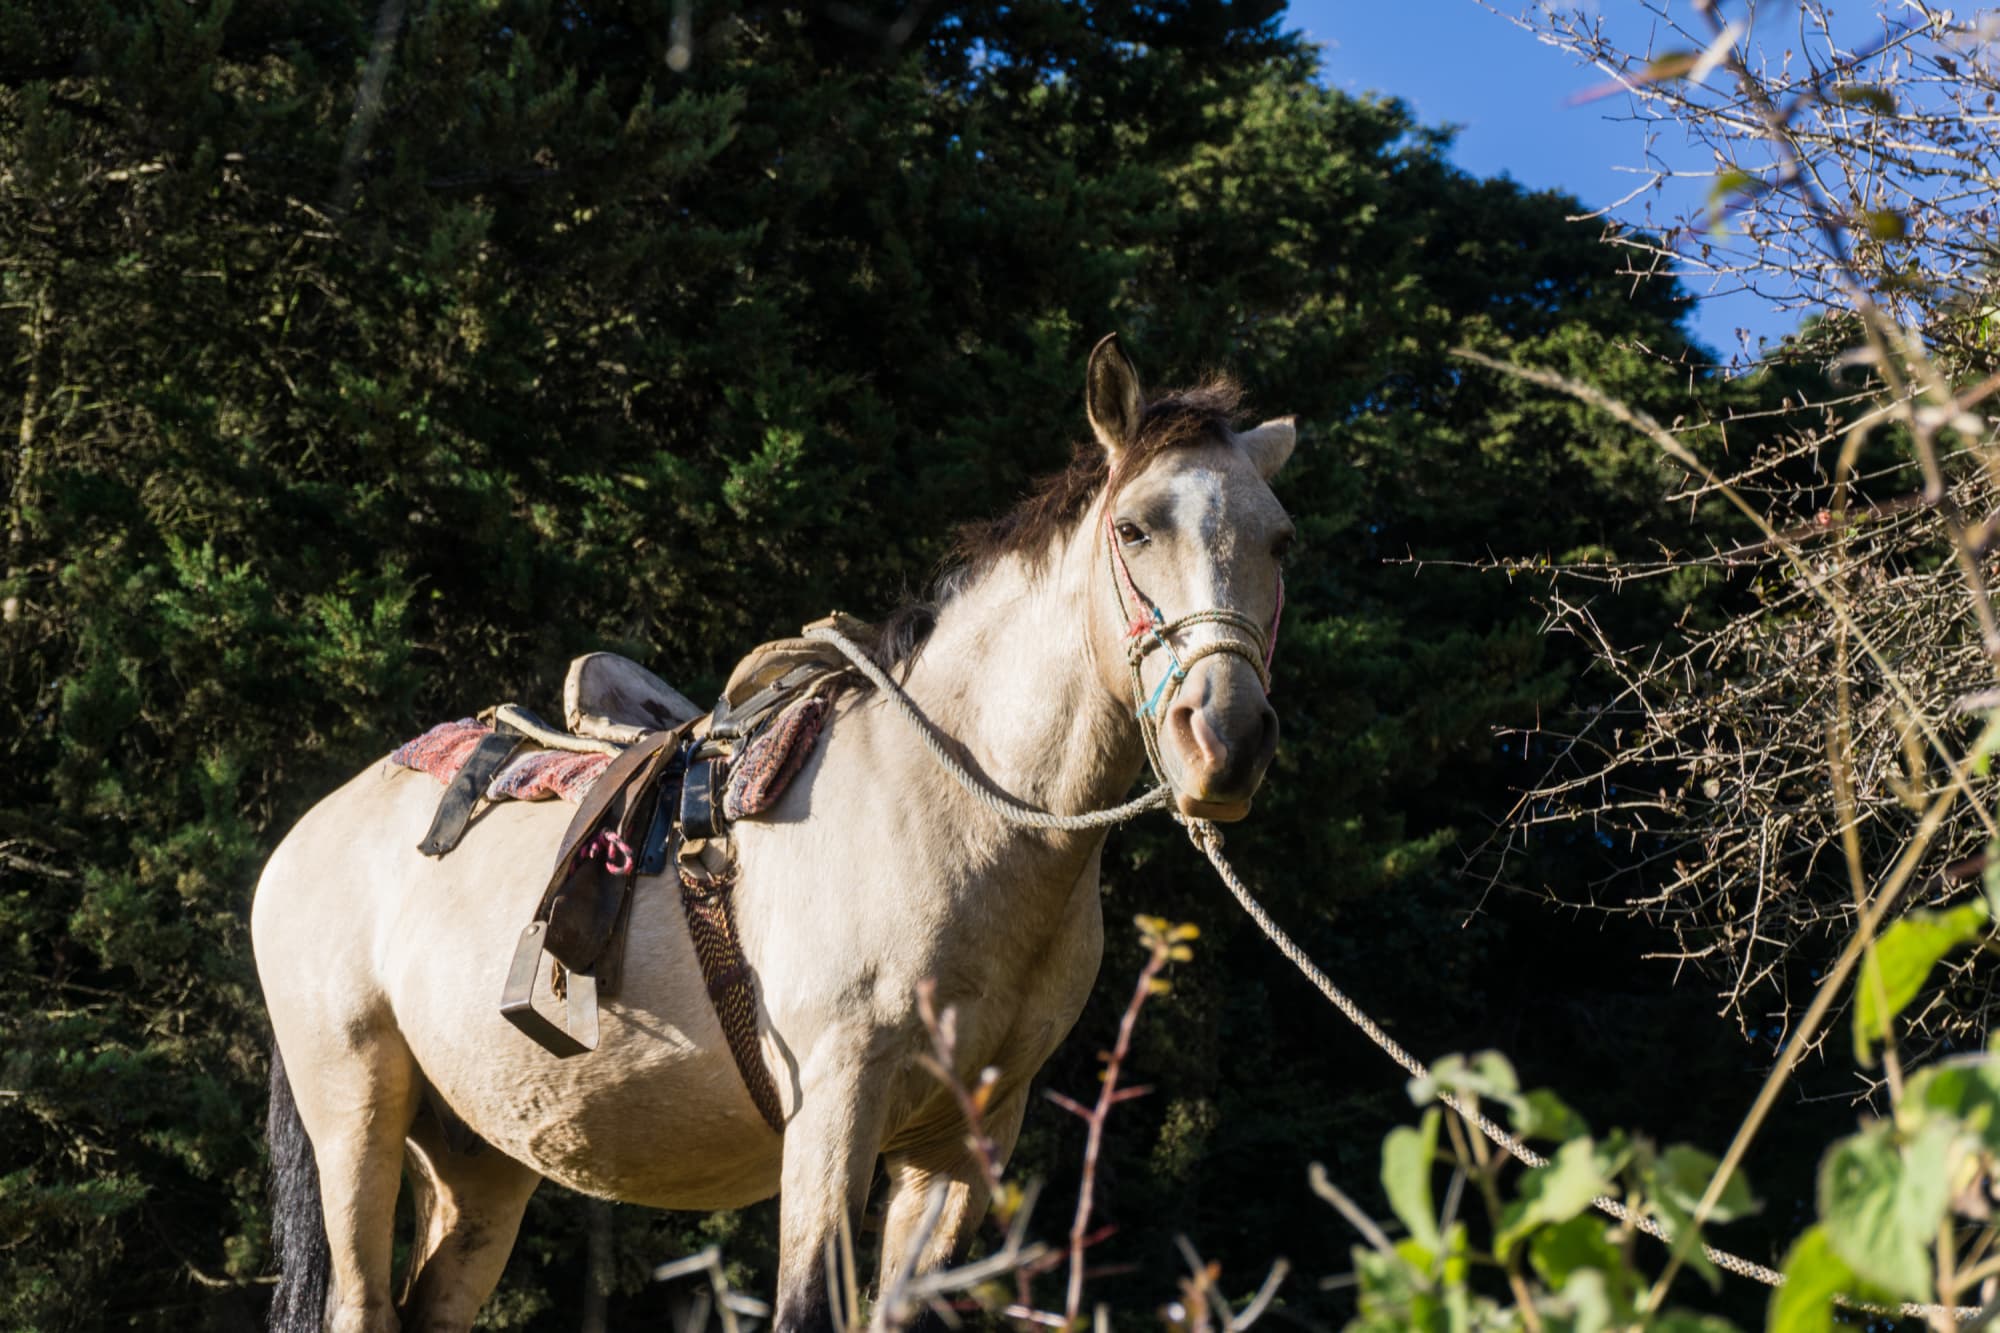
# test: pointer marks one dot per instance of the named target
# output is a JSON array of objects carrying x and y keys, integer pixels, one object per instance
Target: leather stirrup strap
[
  {"x": 611, "y": 787},
  {"x": 583, "y": 916},
  {"x": 454, "y": 812}
]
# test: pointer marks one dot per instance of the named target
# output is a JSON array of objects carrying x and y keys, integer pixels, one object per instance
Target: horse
[{"x": 1051, "y": 664}]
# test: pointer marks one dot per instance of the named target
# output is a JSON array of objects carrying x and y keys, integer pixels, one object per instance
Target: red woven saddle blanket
[{"x": 756, "y": 780}]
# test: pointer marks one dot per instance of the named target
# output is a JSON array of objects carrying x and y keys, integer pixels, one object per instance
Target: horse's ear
[
  {"x": 1111, "y": 396},
  {"x": 1270, "y": 444}
]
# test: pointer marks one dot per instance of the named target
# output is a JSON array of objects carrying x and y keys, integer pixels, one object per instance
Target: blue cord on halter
[{"x": 1176, "y": 675}]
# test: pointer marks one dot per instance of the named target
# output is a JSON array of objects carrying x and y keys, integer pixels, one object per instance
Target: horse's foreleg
[
  {"x": 468, "y": 1210},
  {"x": 831, "y": 1143},
  {"x": 913, "y": 1239}
]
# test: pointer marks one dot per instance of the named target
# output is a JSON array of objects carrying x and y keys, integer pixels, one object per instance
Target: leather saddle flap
[{"x": 587, "y": 896}]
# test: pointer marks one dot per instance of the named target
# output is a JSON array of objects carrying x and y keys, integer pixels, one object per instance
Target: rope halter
[{"x": 1149, "y": 630}]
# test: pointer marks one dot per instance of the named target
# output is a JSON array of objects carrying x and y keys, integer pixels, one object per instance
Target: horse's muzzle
[{"x": 1221, "y": 743}]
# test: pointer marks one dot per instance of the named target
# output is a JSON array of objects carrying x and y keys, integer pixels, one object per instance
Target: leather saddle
[
  {"x": 613, "y": 698},
  {"x": 657, "y": 805}
]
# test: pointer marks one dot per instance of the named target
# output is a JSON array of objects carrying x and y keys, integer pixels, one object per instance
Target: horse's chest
[{"x": 1018, "y": 985}]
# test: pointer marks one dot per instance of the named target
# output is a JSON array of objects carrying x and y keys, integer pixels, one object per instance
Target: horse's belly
[
  {"x": 644, "y": 1119},
  {"x": 657, "y": 1114}
]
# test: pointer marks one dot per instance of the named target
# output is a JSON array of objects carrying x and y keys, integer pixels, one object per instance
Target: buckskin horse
[{"x": 1140, "y": 576}]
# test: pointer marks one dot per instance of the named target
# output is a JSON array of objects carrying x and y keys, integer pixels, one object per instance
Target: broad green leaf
[
  {"x": 1731, "y": 184},
  {"x": 1407, "y": 1155},
  {"x": 1553, "y": 1193},
  {"x": 1487, "y": 1075},
  {"x": 1675, "y": 1219},
  {"x": 1903, "y": 960},
  {"x": 1417, "y": 1256},
  {"x": 1964, "y": 1090},
  {"x": 1583, "y": 1306},
  {"x": 1814, "y": 1274},
  {"x": 1394, "y": 1293},
  {"x": 1881, "y": 1204},
  {"x": 1543, "y": 1115},
  {"x": 1683, "y": 1173},
  {"x": 1580, "y": 1251}
]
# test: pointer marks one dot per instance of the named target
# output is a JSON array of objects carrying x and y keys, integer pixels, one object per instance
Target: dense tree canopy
[{"x": 332, "y": 417}]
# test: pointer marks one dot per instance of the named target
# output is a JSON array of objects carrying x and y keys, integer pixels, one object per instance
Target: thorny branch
[
  {"x": 1856, "y": 179},
  {"x": 946, "y": 1292}
]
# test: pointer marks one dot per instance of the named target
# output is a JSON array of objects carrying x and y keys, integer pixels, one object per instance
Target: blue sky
[{"x": 1457, "y": 63}]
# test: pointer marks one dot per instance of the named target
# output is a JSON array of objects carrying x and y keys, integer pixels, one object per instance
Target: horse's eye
[{"x": 1129, "y": 534}]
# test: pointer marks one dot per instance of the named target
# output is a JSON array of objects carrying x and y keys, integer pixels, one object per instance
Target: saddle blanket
[
  {"x": 534, "y": 776},
  {"x": 756, "y": 780}
]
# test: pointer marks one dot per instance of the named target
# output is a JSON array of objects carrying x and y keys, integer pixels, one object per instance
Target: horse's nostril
[{"x": 1194, "y": 733}]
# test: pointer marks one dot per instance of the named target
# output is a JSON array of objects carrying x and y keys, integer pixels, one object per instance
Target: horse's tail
[{"x": 298, "y": 1228}]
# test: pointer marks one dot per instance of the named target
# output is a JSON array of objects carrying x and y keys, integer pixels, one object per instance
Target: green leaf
[
  {"x": 1586, "y": 1303},
  {"x": 1543, "y": 1115},
  {"x": 1728, "y": 181},
  {"x": 1885, "y": 224},
  {"x": 1676, "y": 1219},
  {"x": 1902, "y": 962},
  {"x": 1407, "y": 1155},
  {"x": 1553, "y": 1193},
  {"x": 1868, "y": 95},
  {"x": 1487, "y": 1075},
  {"x": 1814, "y": 1275},
  {"x": 1683, "y": 1173},
  {"x": 1579, "y": 1250},
  {"x": 1964, "y": 1090},
  {"x": 1881, "y": 1205},
  {"x": 1670, "y": 65}
]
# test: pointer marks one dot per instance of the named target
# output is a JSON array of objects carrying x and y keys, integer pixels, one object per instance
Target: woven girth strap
[{"x": 712, "y": 928}]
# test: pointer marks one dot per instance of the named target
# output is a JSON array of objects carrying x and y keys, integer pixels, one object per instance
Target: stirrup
[{"x": 578, "y": 1032}]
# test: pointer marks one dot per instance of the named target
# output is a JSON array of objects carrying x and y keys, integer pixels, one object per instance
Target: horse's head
[{"x": 1192, "y": 538}]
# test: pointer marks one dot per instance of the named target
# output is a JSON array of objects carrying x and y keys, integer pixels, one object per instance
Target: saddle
[{"x": 667, "y": 798}]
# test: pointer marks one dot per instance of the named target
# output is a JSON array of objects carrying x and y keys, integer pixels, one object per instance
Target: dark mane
[{"x": 1057, "y": 502}]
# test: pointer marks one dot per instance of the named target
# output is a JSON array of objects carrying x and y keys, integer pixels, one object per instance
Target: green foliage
[
  {"x": 1903, "y": 1204},
  {"x": 1551, "y": 1261},
  {"x": 1901, "y": 962},
  {"x": 1814, "y": 1275}
]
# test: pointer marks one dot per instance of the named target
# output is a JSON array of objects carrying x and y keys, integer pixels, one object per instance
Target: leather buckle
[{"x": 702, "y": 792}]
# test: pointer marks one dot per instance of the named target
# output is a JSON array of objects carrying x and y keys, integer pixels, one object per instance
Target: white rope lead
[
  {"x": 1007, "y": 808},
  {"x": 1209, "y": 839}
]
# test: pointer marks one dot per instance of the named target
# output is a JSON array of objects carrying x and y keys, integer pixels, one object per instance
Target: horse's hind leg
[
  {"x": 469, "y": 1206},
  {"x": 356, "y": 1092}
]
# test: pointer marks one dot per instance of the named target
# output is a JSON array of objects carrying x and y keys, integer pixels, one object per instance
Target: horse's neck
[{"x": 1008, "y": 675}]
